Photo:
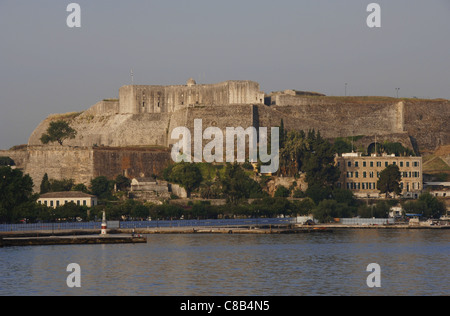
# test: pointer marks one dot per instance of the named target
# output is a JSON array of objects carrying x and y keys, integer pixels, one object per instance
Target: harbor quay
[{"x": 134, "y": 232}]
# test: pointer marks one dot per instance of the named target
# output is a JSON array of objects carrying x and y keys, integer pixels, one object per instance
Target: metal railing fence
[{"x": 145, "y": 224}]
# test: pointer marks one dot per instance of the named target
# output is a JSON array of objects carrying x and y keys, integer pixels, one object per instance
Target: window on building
[
  {"x": 349, "y": 163},
  {"x": 386, "y": 164},
  {"x": 364, "y": 164},
  {"x": 356, "y": 164},
  {"x": 401, "y": 163},
  {"x": 407, "y": 164},
  {"x": 371, "y": 163},
  {"x": 364, "y": 174},
  {"x": 378, "y": 163}
]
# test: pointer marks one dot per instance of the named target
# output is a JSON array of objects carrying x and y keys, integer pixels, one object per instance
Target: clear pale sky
[{"x": 315, "y": 45}]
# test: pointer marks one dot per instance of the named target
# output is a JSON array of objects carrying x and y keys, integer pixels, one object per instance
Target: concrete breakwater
[{"x": 70, "y": 240}]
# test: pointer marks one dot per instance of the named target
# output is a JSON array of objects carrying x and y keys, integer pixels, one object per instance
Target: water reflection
[{"x": 413, "y": 263}]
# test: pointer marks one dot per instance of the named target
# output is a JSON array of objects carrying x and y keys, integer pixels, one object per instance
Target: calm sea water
[{"x": 412, "y": 262}]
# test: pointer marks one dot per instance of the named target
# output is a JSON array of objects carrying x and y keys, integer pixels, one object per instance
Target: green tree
[
  {"x": 202, "y": 210},
  {"x": 80, "y": 187},
  {"x": 6, "y": 161},
  {"x": 341, "y": 146},
  {"x": 61, "y": 185},
  {"x": 270, "y": 207},
  {"x": 237, "y": 185},
  {"x": 45, "y": 185},
  {"x": 434, "y": 208},
  {"x": 58, "y": 131},
  {"x": 327, "y": 210},
  {"x": 15, "y": 190},
  {"x": 140, "y": 211},
  {"x": 282, "y": 192},
  {"x": 304, "y": 207},
  {"x": 344, "y": 196},
  {"x": 233, "y": 183},
  {"x": 102, "y": 187},
  {"x": 427, "y": 205},
  {"x": 318, "y": 193},
  {"x": 210, "y": 190},
  {"x": 319, "y": 162},
  {"x": 282, "y": 134},
  {"x": 122, "y": 182},
  {"x": 292, "y": 152},
  {"x": 389, "y": 181},
  {"x": 379, "y": 210},
  {"x": 70, "y": 212},
  {"x": 188, "y": 175}
]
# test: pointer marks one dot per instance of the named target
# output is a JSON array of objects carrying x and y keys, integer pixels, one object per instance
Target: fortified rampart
[
  {"x": 82, "y": 164},
  {"x": 131, "y": 135},
  {"x": 60, "y": 162},
  {"x": 130, "y": 162},
  {"x": 337, "y": 119}
]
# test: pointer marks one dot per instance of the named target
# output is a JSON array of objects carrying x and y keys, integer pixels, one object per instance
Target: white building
[{"x": 55, "y": 199}]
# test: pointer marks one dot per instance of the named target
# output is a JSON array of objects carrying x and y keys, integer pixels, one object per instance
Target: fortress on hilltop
[
  {"x": 131, "y": 135},
  {"x": 169, "y": 99}
]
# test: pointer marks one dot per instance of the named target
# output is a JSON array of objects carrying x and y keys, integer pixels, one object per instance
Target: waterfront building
[
  {"x": 360, "y": 174},
  {"x": 56, "y": 199}
]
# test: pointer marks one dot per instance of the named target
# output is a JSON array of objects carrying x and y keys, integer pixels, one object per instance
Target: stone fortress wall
[{"x": 131, "y": 135}]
